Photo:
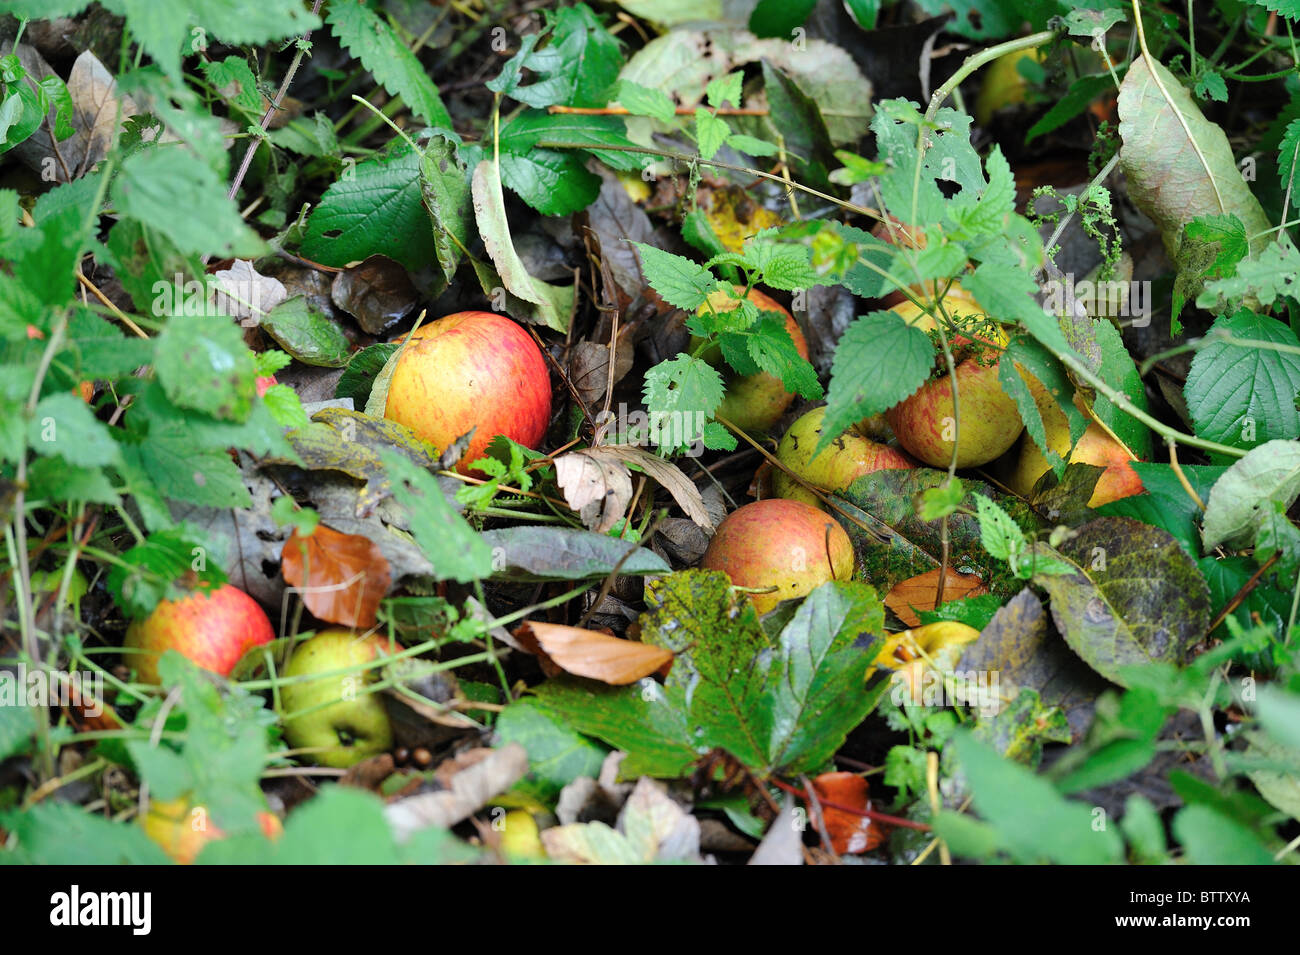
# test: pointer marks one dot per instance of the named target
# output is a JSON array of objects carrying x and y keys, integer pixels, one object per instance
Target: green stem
[{"x": 973, "y": 63}]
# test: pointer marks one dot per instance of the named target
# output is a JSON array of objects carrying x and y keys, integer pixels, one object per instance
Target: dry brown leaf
[
  {"x": 342, "y": 576},
  {"x": 851, "y": 833},
  {"x": 592, "y": 654},
  {"x": 468, "y": 789},
  {"x": 598, "y": 487},
  {"x": 917, "y": 593},
  {"x": 668, "y": 475}
]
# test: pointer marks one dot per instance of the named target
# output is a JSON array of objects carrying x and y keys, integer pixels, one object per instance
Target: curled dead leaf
[
  {"x": 851, "y": 832},
  {"x": 342, "y": 577},
  {"x": 592, "y": 654},
  {"x": 598, "y": 487},
  {"x": 668, "y": 475},
  {"x": 917, "y": 594}
]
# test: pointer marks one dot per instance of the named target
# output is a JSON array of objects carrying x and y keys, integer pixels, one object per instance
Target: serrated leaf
[
  {"x": 64, "y": 425},
  {"x": 375, "y": 209},
  {"x": 203, "y": 363},
  {"x": 710, "y": 132},
  {"x": 642, "y": 101},
  {"x": 678, "y": 280},
  {"x": 372, "y": 41},
  {"x": 445, "y": 190},
  {"x": 1241, "y": 394},
  {"x": 879, "y": 361},
  {"x": 772, "y": 350}
]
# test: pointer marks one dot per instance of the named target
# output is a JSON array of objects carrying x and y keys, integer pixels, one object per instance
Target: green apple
[
  {"x": 329, "y": 711},
  {"x": 786, "y": 544},
  {"x": 843, "y": 461}
]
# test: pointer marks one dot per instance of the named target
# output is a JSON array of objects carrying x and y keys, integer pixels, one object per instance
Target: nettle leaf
[
  {"x": 371, "y": 40},
  {"x": 306, "y": 333},
  {"x": 156, "y": 184},
  {"x": 1134, "y": 596},
  {"x": 782, "y": 265},
  {"x": 879, "y": 361},
  {"x": 1211, "y": 248},
  {"x": 203, "y": 363},
  {"x": 1237, "y": 502},
  {"x": 686, "y": 391},
  {"x": 1008, "y": 292},
  {"x": 725, "y": 89},
  {"x": 576, "y": 67},
  {"x": 997, "y": 201},
  {"x": 444, "y": 187},
  {"x": 999, "y": 533},
  {"x": 1288, "y": 154},
  {"x": 950, "y": 159},
  {"x": 376, "y": 209},
  {"x": 642, "y": 101},
  {"x": 455, "y": 550},
  {"x": 153, "y": 569},
  {"x": 1265, "y": 277},
  {"x": 773, "y": 350},
  {"x": 679, "y": 281},
  {"x": 63, "y": 425},
  {"x": 1239, "y": 393},
  {"x": 710, "y": 132}
]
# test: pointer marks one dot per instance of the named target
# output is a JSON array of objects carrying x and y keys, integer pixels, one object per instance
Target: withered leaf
[{"x": 342, "y": 577}]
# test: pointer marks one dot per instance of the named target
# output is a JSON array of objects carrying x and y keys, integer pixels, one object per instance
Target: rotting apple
[
  {"x": 845, "y": 460},
  {"x": 471, "y": 371},
  {"x": 330, "y": 711},
  {"x": 181, "y": 829},
  {"x": 926, "y": 422},
  {"x": 212, "y": 629},
  {"x": 753, "y": 403},
  {"x": 781, "y": 543},
  {"x": 910, "y": 652}
]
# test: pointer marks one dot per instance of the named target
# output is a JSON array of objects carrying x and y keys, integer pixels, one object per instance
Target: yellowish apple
[{"x": 843, "y": 461}]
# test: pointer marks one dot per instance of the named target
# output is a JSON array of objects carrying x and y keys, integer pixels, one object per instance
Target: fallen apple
[
  {"x": 1094, "y": 446},
  {"x": 264, "y": 382},
  {"x": 910, "y": 652},
  {"x": 181, "y": 829},
  {"x": 926, "y": 422},
  {"x": 1004, "y": 85},
  {"x": 780, "y": 543},
  {"x": 213, "y": 629},
  {"x": 753, "y": 403},
  {"x": 843, "y": 461},
  {"x": 330, "y": 711},
  {"x": 471, "y": 371}
]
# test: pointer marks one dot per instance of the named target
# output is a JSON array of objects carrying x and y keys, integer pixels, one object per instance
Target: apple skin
[
  {"x": 173, "y": 826},
  {"x": 990, "y": 421},
  {"x": 1003, "y": 85},
  {"x": 264, "y": 382},
  {"x": 782, "y": 543},
  {"x": 352, "y": 725},
  {"x": 214, "y": 630},
  {"x": 845, "y": 459},
  {"x": 1095, "y": 446},
  {"x": 471, "y": 370},
  {"x": 754, "y": 403}
]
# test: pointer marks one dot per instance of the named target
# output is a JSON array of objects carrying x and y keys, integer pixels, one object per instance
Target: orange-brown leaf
[
  {"x": 342, "y": 576},
  {"x": 594, "y": 655},
  {"x": 918, "y": 593},
  {"x": 851, "y": 833}
]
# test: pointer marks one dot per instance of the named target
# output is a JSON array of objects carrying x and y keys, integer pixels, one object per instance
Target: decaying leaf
[
  {"x": 467, "y": 790},
  {"x": 592, "y": 654},
  {"x": 378, "y": 293},
  {"x": 342, "y": 577},
  {"x": 668, "y": 475},
  {"x": 916, "y": 594},
  {"x": 597, "y": 487},
  {"x": 651, "y": 827},
  {"x": 246, "y": 293},
  {"x": 852, "y": 833}
]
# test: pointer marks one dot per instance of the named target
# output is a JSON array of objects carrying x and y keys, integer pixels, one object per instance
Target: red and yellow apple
[
  {"x": 213, "y": 629},
  {"x": 471, "y": 371},
  {"x": 1095, "y": 446},
  {"x": 330, "y": 711},
  {"x": 783, "y": 544},
  {"x": 925, "y": 423},
  {"x": 843, "y": 461},
  {"x": 753, "y": 403},
  {"x": 181, "y": 829}
]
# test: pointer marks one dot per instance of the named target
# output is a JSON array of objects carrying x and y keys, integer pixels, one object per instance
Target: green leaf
[
  {"x": 553, "y": 304},
  {"x": 522, "y": 134},
  {"x": 554, "y": 182},
  {"x": 1264, "y": 277},
  {"x": 1118, "y": 369},
  {"x": 63, "y": 425},
  {"x": 1166, "y": 504},
  {"x": 152, "y": 570},
  {"x": 988, "y": 215},
  {"x": 156, "y": 183},
  {"x": 1288, "y": 154},
  {"x": 797, "y": 119},
  {"x": 778, "y": 18},
  {"x": 642, "y": 101},
  {"x": 725, "y": 89},
  {"x": 1033, "y": 822},
  {"x": 1044, "y": 366},
  {"x": 999, "y": 533},
  {"x": 1007, "y": 292},
  {"x": 557, "y": 753},
  {"x": 751, "y": 146},
  {"x": 455, "y": 550},
  {"x": 1239, "y": 393},
  {"x": 773, "y": 350},
  {"x": 1211, "y": 839},
  {"x": 1210, "y": 85},
  {"x": 684, "y": 389},
  {"x": 879, "y": 361},
  {"x": 371, "y": 40},
  {"x": 678, "y": 280},
  {"x": 61, "y": 833},
  {"x": 445, "y": 189},
  {"x": 576, "y": 67},
  {"x": 375, "y": 209},
  {"x": 306, "y": 334},
  {"x": 1077, "y": 98},
  {"x": 1211, "y": 248},
  {"x": 203, "y": 363},
  {"x": 711, "y": 132}
]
